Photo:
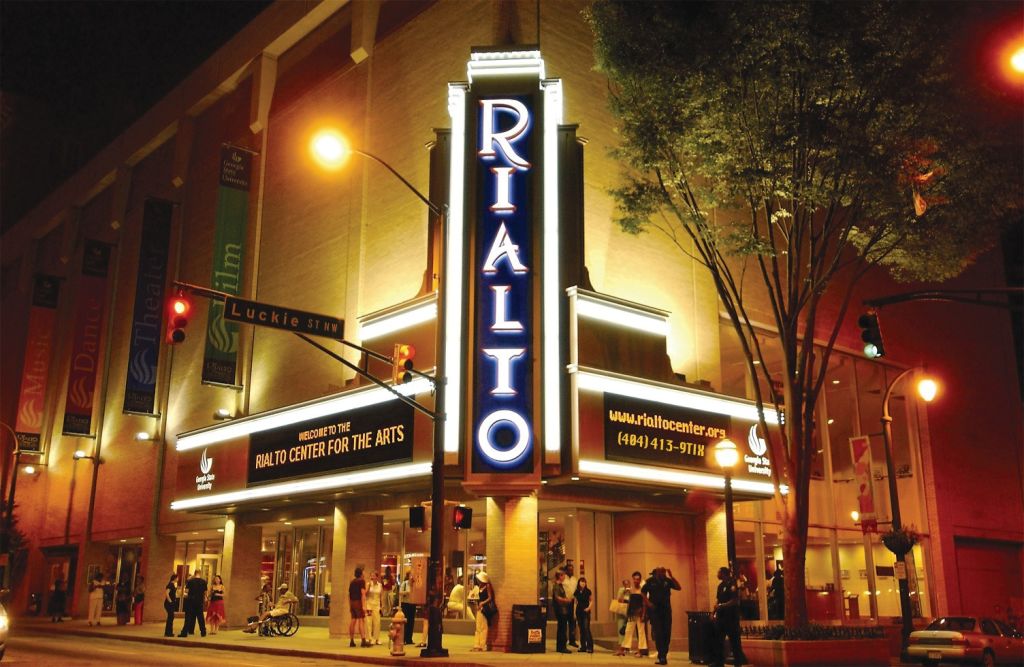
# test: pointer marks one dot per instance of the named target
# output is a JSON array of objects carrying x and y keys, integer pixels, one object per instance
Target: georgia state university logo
[
  {"x": 757, "y": 445},
  {"x": 204, "y": 482}
]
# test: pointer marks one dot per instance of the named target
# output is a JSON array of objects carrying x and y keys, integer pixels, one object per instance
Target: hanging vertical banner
[
  {"x": 90, "y": 309},
  {"x": 147, "y": 317},
  {"x": 220, "y": 361},
  {"x": 860, "y": 448},
  {"x": 38, "y": 352}
]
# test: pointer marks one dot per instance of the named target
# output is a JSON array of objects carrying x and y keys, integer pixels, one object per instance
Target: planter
[{"x": 819, "y": 653}]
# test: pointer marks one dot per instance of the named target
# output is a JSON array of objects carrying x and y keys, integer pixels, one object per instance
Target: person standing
[
  {"x": 123, "y": 602},
  {"x": 408, "y": 608},
  {"x": 622, "y": 596},
  {"x": 488, "y": 610},
  {"x": 96, "y": 591},
  {"x": 357, "y": 605},
  {"x": 777, "y": 595},
  {"x": 387, "y": 584},
  {"x": 58, "y": 599},
  {"x": 636, "y": 618},
  {"x": 195, "y": 598},
  {"x": 170, "y": 604},
  {"x": 374, "y": 592},
  {"x": 726, "y": 617},
  {"x": 570, "y": 588},
  {"x": 658, "y": 591},
  {"x": 139, "y": 599},
  {"x": 563, "y": 607},
  {"x": 584, "y": 603},
  {"x": 216, "y": 614}
]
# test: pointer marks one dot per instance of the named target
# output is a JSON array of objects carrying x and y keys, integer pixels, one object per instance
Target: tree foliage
[{"x": 803, "y": 143}]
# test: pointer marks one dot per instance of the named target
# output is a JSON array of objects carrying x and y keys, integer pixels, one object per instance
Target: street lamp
[
  {"x": 927, "y": 389},
  {"x": 727, "y": 456},
  {"x": 331, "y": 150}
]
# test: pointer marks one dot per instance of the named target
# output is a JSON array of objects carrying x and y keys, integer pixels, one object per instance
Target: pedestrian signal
[{"x": 462, "y": 518}]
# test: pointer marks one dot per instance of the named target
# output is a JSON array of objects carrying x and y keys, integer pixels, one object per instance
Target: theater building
[{"x": 587, "y": 373}]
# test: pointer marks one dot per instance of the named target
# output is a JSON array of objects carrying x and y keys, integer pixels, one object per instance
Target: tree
[{"x": 803, "y": 144}]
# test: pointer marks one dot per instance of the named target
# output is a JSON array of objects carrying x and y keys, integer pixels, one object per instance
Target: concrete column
[
  {"x": 240, "y": 569},
  {"x": 158, "y": 564},
  {"x": 716, "y": 555},
  {"x": 363, "y": 550},
  {"x": 337, "y": 622},
  {"x": 511, "y": 559}
]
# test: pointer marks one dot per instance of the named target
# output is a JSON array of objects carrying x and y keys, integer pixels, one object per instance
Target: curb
[{"x": 266, "y": 650}]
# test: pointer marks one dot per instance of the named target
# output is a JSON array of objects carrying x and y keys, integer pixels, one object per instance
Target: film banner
[
  {"x": 87, "y": 336},
  {"x": 860, "y": 450},
  {"x": 220, "y": 360},
  {"x": 38, "y": 352},
  {"x": 147, "y": 316}
]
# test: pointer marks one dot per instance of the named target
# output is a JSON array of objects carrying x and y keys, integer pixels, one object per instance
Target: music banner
[
  {"x": 87, "y": 336},
  {"x": 38, "y": 352},
  {"x": 220, "y": 360},
  {"x": 147, "y": 316},
  {"x": 860, "y": 449}
]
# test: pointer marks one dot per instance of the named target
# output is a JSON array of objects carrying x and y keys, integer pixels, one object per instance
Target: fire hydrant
[{"x": 397, "y": 633}]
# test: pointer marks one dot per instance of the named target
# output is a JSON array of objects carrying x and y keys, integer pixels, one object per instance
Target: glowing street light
[
  {"x": 727, "y": 456},
  {"x": 926, "y": 389},
  {"x": 330, "y": 150},
  {"x": 1017, "y": 60}
]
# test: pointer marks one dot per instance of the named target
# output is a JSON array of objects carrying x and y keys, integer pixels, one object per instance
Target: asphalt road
[{"x": 58, "y": 650}]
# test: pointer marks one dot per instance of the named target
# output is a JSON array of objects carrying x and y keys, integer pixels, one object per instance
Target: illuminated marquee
[{"x": 502, "y": 426}]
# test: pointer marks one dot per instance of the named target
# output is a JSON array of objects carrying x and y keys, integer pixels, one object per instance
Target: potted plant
[
  {"x": 778, "y": 646},
  {"x": 900, "y": 541}
]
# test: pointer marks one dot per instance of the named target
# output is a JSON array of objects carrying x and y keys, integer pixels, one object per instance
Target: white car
[
  {"x": 4, "y": 623},
  {"x": 985, "y": 641}
]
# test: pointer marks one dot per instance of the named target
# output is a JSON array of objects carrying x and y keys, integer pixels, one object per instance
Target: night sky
[{"x": 98, "y": 66}]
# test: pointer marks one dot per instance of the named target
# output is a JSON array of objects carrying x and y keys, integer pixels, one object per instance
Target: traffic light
[
  {"x": 871, "y": 335},
  {"x": 401, "y": 363},
  {"x": 462, "y": 518},
  {"x": 179, "y": 309}
]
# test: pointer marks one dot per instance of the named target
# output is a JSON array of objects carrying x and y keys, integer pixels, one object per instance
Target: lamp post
[
  {"x": 727, "y": 456},
  {"x": 9, "y": 514},
  {"x": 927, "y": 390},
  {"x": 330, "y": 150}
]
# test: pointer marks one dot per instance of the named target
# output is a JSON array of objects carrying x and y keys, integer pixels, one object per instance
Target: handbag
[
  {"x": 618, "y": 607},
  {"x": 489, "y": 610}
]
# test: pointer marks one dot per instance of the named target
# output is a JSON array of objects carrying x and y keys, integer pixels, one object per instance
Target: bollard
[{"x": 397, "y": 633}]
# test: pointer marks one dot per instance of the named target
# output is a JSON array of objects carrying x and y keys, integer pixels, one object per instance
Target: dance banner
[
  {"x": 87, "y": 332},
  {"x": 38, "y": 352},
  {"x": 147, "y": 317},
  {"x": 220, "y": 360}
]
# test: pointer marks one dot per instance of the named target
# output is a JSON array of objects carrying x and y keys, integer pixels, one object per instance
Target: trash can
[
  {"x": 529, "y": 628},
  {"x": 701, "y": 631}
]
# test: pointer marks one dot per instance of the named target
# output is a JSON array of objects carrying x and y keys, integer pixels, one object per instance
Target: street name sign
[{"x": 277, "y": 317}]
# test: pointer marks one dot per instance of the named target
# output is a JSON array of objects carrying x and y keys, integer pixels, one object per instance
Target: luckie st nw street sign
[{"x": 289, "y": 319}]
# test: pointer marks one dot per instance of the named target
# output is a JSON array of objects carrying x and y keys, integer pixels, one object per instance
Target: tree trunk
[{"x": 795, "y": 577}]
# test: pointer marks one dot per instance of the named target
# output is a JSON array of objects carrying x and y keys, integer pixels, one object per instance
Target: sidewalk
[{"x": 313, "y": 642}]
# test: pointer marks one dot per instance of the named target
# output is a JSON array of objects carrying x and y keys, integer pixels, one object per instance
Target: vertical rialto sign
[
  {"x": 42, "y": 319},
  {"x": 87, "y": 332},
  {"x": 502, "y": 418},
  {"x": 147, "y": 316},
  {"x": 220, "y": 360}
]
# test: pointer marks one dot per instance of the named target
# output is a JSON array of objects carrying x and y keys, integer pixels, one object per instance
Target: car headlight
[{"x": 3, "y": 622}]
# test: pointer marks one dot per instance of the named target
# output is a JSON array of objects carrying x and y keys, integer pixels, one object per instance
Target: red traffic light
[{"x": 179, "y": 308}]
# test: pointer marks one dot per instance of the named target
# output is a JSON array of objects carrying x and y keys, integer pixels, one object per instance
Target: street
[{"x": 37, "y": 648}]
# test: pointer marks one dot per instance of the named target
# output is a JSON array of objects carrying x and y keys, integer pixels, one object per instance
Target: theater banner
[
  {"x": 860, "y": 451},
  {"x": 220, "y": 360},
  {"x": 147, "y": 316},
  {"x": 87, "y": 338},
  {"x": 42, "y": 319}
]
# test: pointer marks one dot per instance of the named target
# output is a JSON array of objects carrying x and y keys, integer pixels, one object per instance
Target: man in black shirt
[
  {"x": 195, "y": 596},
  {"x": 658, "y": 590},
  {"x": 563, "y": 605},
  {"x": 727, "y": 620}
]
